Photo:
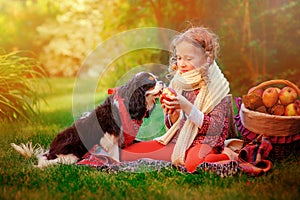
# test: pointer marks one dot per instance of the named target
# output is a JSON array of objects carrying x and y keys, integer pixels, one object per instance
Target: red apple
[
  {"x": 297, "y": 102},
  {"x": 291, "y": 109},
  {"x": 277, "y": 109},
  {"x": 287, "y": 95},
  {"x": 270, "y": 97},
  {"x": 258, "y": 92},
  {"x": 167, "y": 93}
]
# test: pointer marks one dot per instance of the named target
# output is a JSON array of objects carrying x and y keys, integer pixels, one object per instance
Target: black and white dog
[{"x": 113, "y": 124}]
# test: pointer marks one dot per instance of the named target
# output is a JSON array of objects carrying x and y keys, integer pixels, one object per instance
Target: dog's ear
[
  {"x": 134, "y": 92},
  {"x": 137, "y": 104},
  {"x": 134, "y": 101}
]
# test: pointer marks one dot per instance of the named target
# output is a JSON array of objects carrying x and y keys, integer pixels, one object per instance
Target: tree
[
  {"x": 260, "y": 38},
  {"x": 18, "y": 22},
  {"x": 71, "y": 36}
]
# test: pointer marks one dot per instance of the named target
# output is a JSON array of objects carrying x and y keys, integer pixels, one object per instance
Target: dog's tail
[{"x": 28, "y": 150}]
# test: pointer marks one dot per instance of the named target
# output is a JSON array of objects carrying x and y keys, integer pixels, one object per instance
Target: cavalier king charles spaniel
[{"x": 113, "y": 125}]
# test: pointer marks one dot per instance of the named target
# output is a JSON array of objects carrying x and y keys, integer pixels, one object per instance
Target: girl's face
[{"x": 188, "y": 56}]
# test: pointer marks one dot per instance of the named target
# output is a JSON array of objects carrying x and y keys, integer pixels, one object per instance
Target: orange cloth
[
  {"x": 154, "y": 150},
  {"x": 216, "y": 157},
  {"x": 148, "y": 149},
  {"x": 201, "y": 153}
]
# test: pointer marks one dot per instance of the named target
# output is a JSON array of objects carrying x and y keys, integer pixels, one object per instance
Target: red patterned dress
[
  {"x": 207, "y": 145},
  {"x": 214, "y": 129}
]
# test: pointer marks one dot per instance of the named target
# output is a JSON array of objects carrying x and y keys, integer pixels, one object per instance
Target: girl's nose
[{"x": 181, "y": 63}]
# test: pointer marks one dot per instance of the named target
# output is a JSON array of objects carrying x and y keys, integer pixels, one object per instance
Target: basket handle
[{"x": 278, "y": 81}]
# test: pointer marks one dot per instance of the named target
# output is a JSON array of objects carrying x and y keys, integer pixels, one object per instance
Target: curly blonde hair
[{"x": 200, "y": 37}]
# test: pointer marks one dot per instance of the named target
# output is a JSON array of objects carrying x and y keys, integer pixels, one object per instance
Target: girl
[{"x": 197, "y": 118}]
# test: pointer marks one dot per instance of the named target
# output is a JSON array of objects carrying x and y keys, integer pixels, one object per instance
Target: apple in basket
[
  {"x": 287, "y": 95},
  {"x": 270, "y": 97},
  {"x": 277, "y": 109},
  {"x": 258, "y": 92},
  {"x": 292, "y": 109},
  {"x": 167, "y": 93},
  {"x": 297, "y": 102}
]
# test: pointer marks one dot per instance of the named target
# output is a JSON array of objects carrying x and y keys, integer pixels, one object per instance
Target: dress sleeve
[{"x": 196, "y": 116}]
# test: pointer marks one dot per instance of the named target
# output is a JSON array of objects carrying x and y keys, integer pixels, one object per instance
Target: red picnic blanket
[{"x": 99, "y": 158}]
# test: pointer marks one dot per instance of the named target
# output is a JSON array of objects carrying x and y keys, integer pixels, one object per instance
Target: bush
[{"x": 18, "y": 88}]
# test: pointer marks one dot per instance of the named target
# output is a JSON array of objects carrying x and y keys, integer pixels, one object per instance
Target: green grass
[{"x": 19, "y": 179}]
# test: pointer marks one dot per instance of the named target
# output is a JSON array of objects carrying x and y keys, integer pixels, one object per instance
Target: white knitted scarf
[{"x": 210, "y": 95}]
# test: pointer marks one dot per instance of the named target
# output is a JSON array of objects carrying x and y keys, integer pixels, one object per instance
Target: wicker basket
[
  {"x": 283, "y": 131},
  {"x": 270, "y": 125},
  {"x": 282, "y": 151}
]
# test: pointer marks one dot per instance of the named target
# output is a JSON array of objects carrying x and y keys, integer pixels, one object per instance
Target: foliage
[
  {"x": 124, "y": 67},
  {"x": 18, "y": 89},
  {"x": 259, "y": 42},
  {"x": 70, "y": 36},
  {"x": 18, "y": 22},
  {"x": 258, "y": 38}
]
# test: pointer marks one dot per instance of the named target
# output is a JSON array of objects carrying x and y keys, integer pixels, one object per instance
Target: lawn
[{"x": 19, "y": 179}]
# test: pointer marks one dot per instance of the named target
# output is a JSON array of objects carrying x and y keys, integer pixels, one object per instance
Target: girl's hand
[
  {"x": 177, "y": 103},
  {"x": 171, "y": 107},
  {"x": 171, "y": 104}
]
